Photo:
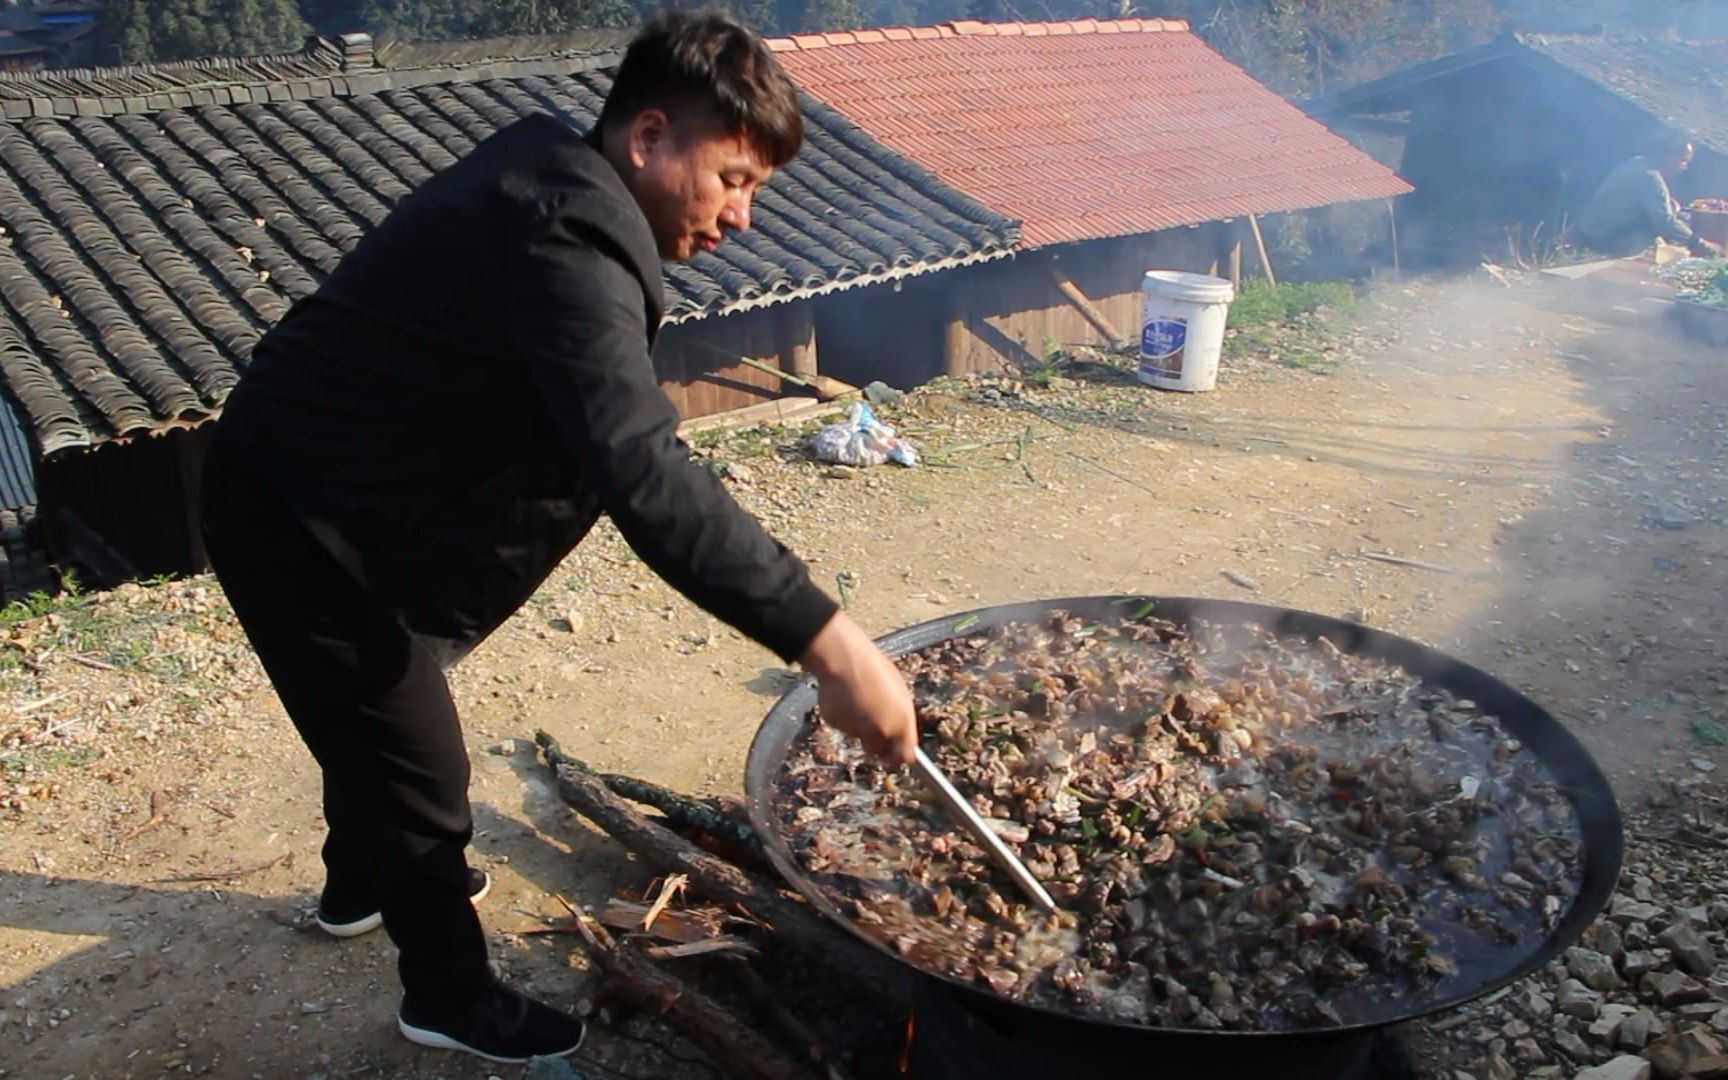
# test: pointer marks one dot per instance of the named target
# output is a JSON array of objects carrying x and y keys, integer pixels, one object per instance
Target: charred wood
[
  {"x": 740, "y": 1051},
  {"x": 791, "y": 923},
  {"x": 717, "y": 824}
]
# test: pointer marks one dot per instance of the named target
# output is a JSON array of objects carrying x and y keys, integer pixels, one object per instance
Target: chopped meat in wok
[{"x": 1243, "y": 831}]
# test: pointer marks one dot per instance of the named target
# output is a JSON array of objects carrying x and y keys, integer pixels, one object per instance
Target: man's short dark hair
[
  {"x": 1669, "y": 146},
  {"x": 686, "y": 62}
]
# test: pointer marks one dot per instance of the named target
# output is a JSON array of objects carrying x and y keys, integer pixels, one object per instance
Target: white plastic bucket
[{"x": 1182, "y": 329}]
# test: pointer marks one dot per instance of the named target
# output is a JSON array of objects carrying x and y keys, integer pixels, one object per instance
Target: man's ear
[{"x": 649, "y": 132}]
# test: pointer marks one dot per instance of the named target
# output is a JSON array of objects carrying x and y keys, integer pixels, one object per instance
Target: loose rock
[
  {"x": 1691, "y": 951},
  {"x": 1671, "y": 516},
  {"x": 1607, "y": 1025},
  {"x": 1670, "y": 1056},
  {"x": 1673, "y": 988},
  {"x": 1572, "y": 1046},
  {"x": 1624, "y": 1067},
  {"x": 1528, "y": 1052},
  {"x": 1634, "y": 1033},
  {"x": 1576, "y": 999},
  {"x": 1604, "y": 937},
  {"x": 880, "y": 393},
  {"x": 1710, "y": 1068},
  {"x": 1592, "y": 969},
  {"x": 1638, "y": 963},
  {"x": 1624, "y": 910},
  {"x": 1496, "y": 1067}
]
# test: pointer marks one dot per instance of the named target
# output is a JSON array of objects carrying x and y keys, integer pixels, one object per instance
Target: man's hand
[{"x": 860, "y": 691}]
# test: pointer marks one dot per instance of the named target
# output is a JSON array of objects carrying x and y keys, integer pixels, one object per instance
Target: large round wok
[{"x": 1553, "y": 745}]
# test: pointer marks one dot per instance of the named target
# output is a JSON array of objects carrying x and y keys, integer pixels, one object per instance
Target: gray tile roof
[
  {"x": 147, "y": 243},
  {"x": 1684, "y": 84},
  {"x": 1681, "y": 83}
]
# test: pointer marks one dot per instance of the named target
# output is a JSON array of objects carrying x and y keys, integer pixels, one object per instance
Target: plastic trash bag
[{"x": 861, "y": 440}]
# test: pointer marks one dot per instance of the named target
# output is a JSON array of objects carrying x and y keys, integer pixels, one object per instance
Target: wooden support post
[
  {"x": 1260, "y": 249},
  {"x": 1227, "y": 251},
  {"x": 955, "y": 340},
  {"x": 190, "y": 452},
  {"x": 1392, "y": 216},
  {"x": 798, "y": 345},
  {"x": 1086, "y": 307}
]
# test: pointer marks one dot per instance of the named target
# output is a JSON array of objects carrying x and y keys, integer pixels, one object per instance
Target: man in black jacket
[{"x": 415, "y": 447}]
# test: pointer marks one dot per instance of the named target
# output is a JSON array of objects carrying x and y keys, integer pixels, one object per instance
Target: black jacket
[{"x": 472, "y": 386}]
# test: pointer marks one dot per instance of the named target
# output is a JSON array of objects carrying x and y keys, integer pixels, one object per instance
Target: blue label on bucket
[{"x": 1163, "y": 338}]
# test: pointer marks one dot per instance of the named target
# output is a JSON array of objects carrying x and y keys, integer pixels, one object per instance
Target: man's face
[{"x": 694, "y": 182}]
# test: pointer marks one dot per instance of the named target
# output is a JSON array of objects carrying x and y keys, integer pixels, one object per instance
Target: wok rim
[{"x": 1601, "y": 829}]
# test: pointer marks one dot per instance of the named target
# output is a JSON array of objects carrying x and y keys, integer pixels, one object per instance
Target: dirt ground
[{"x": 1559, "y": 473}]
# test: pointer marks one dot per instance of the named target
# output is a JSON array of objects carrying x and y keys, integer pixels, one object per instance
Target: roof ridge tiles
[
  {"x": 319, "y": 51},
  {"x": 976, "y": 28}
]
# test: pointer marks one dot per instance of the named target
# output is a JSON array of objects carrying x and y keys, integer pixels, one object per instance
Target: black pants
[
  {"x": 370, "y": 700},
  {"x": 1619, "y": 243}
]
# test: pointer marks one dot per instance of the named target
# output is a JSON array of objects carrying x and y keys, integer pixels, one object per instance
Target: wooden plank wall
[
  {"x": 1015, "y": 316},
  {"x": 127, "y": 506},
  {"x": 694, "y": 360},
  {"x": 1010, "y": 310},
  {"x": 890, "y": 332}
]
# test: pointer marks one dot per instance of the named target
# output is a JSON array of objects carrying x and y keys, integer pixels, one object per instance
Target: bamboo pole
[
  {"x": 825, "y": 387},
  {"x": 1260, "y": 249},
  {"x": 1392, "y": 216},
  {"x": 1086, "y": 307},
  {"x": 789, "y": 410}
]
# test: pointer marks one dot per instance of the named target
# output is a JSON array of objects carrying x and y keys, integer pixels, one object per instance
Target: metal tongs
[{"x": 981, "y": 830}]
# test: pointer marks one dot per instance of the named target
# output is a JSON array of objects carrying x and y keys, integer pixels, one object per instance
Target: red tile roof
[{"x": 1084, "y": 129}]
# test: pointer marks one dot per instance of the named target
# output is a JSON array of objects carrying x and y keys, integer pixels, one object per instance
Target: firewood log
[
  {"x": 792, "y": 923},
  {"x": 741, "y": 1051}
]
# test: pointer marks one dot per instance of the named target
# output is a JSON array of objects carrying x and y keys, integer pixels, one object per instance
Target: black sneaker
[
  {"x": 347, "y": 919},
  {"x": 505, "y": 1027}
]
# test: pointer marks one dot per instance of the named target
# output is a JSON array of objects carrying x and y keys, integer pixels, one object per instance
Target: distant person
[{"x": 1633, "y": 207}]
